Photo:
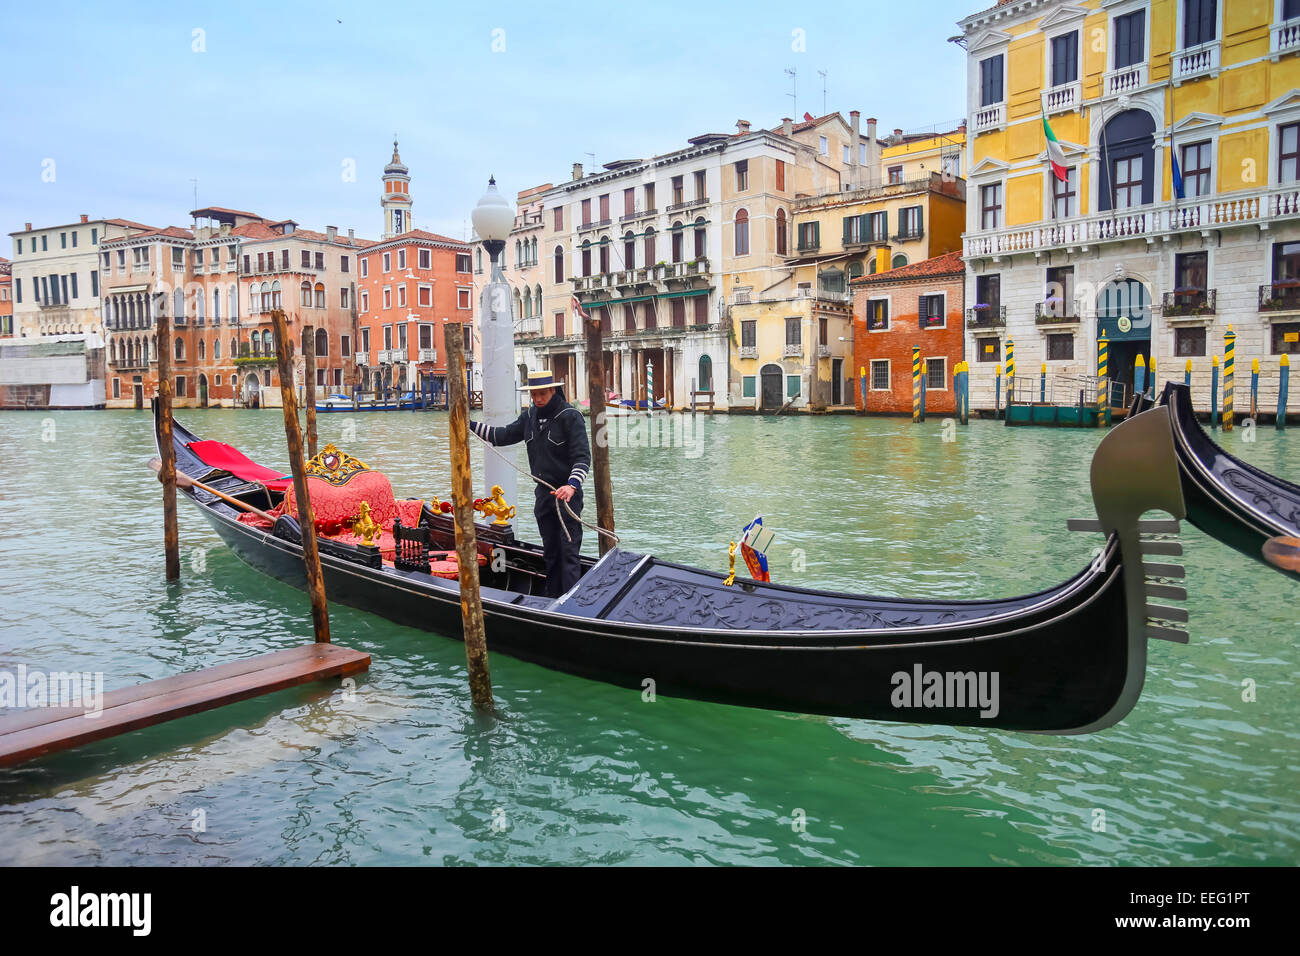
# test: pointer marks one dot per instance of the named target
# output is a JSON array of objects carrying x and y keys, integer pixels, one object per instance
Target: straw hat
[{"x": 538, "y": 380}]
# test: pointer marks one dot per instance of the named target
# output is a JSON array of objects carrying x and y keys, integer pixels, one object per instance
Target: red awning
[{"x": 220, "y": 455}]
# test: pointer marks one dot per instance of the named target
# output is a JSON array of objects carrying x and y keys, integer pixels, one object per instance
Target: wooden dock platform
[{"x": 38, "y": 731}]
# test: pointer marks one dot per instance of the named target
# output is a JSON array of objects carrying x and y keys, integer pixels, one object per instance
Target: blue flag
[{"x": 1177, "y": 173}]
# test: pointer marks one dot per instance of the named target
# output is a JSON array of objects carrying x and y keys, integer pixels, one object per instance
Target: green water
[{"x": 580, "y": 772}]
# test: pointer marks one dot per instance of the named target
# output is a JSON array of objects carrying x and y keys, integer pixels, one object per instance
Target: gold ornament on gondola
[
  {"x": 334, "y": 466},
  {"x": 496, "y": 505},
  {"x": 365, "y": 527}
]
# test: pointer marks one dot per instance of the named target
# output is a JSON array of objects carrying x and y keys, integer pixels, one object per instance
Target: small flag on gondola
[{"x": 754, "y": 542}]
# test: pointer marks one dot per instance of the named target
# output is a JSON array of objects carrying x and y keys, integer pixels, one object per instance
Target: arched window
[
  {"x": 254, "y": 299},
  {"x": 232, "y": 297},
  {"x": 153, "y": 348},
  {"x": 706, "y": 374},
  {"x": 677, "y": 241},
  {"x": 112, "y": 351},
  {"x": 650, "y": 247},
  {"x": 180, "y": 348},
  {"x": 855, "y": 270},
  {"x": 559, "y": 263},
  {"x": 1127, "y": 174},
  {"x": 268, "y": 346},
  {"x": 320, "y": 295},
  {"x": 899, "y": 260},
  {"x": 519, "y": 258},
  {"x": 322, "y": 343},
  {"x": 604, "y": 254},
  {"x": 629, "y": 250},
  {"x": 234, "y": 346},
  {"x": 586, "y": 257},
  {"x": 268, "y": 303},
  {"x": 517, "y": 302},
  {"x": 742, "y": 232},
  {"x": 871, "y": 266},
  {"x": 537, "y": 299},
  {"x": 532, "y": 258},
  {"x": 216, "y": 305},
  {"x": 528, "y": 302},
  {"x": 178, "y": 304},
  {"x": 700, "y": 239},
  {"x": 200, "y": 301},
  {"x": 203, "y": 350},
  {"x": 781, "y": 240},
  {"x": 275, "y": 295},
  {"x": 304, "y": 293},
  {"x": 216, "y": 350},
  {"x": 255, "y": 344}
]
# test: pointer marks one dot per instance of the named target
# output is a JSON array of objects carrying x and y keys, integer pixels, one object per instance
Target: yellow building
[{"x": 1127, "y": 86}]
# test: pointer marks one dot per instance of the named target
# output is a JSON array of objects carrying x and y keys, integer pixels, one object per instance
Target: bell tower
[{"x": 396, "y": 200}]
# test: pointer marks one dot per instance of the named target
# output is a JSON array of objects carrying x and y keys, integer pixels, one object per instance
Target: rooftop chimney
[
  {"x": 787, "y": 126},
  {"x": 898, "y": 136},
  {"x": 742, "y": 127},
  {"x": 577, "y": 170},
  {"x": 85, "y": 218},
  {"x": 351, "y": 234},
  {"x": 871, "y": 127},
  {"x": 855, "y": 151},
  {"x": 331, "y": 233},
  {"x": 27, "y": 226}
]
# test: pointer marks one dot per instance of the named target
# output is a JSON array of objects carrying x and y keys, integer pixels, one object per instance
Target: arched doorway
[
  {"x": 770, "y": 394},
  {"x": 203, "y": 391},
  {"x": 1124, "y": 315},
  {"x": 252, "y": 390},
  {"x": 706, "y": 374}
]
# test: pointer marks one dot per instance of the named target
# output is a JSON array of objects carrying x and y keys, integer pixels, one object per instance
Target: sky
[{"x": 289, "y": 110}]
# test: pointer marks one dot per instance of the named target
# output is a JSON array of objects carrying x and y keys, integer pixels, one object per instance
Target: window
[
  {"x": 1288, "y": 154},
  {"x": 604, "y": 256},
  {"x": 401, "y": 296},
  {"x": 991, "y": 206},
  {"x": 629, "y": 202},
  {"x": 320, "y": 261},
  {"x": 988, "y": 294},
  {"x": 679, "y": 193},
  {"x": 559, "y": 324},
  {"x": 74, "y": 239},
  {"x": 629, "y": 251},
  {"x": 94, "y": 237},
  {"x": 1198, "y": 22},
  {"x": 63, "y": 240},
  {"x": 425, "y": 296},
  {"x": 117, "y": 388},
  {"x": 388, "y": 298},
  {"x": 1059, "y": 301},
  {"x": 284, "y": 259},
  {"x": 988, "y": 350},
  {"x": 929, "y": 311},
  {"x": 365, "y": 341},
  {"x": 604, "y": 208},
  {"x": 1060, "y": 348},
  {"x": 991, "y": 80},
  {"x": 74, "y": 284},
  {"x": 365, "y": 268},
  {"x": 793, "y": 386},
  {"x": 462, "y": 299},
  {"x": 936, "y": 378},
  {"x": 1191, "y": 277},
  {"x": 557, "y": 215},
  {"x": 877, "y": 315},
  {"x": 426, "y": 336},
  {"x": 821, "y": 331},
  {"x": 749, "y": 333},
  {"x": 1286, "y": 338},
  {"x": 401, "y": 259},
  {"x": 910, "y": 222},
  {"x": 1189, "y": 342},
  {"x": 853, "y": 230},
  {"x": 343, "y": 298},
  {"x": 365, "y": 301},
  {"x": 880, "y": 375},
  {"x": 306, "y": 259},
  {"x": 895, "y": 175},
  {"x": 1196, "y": 169},
  {"x": 1130, "y": 39},
  {"x": 793, "y": 332},
  {"x": 809, "y": 236},
  {"x": 586, "y": 258},
  {"x": 388, "y": 262},
  {"x": 1127, "y": 178},
  {"x": 94, "y": 282},
  {"x": 388, "y": 337},
  {"x": 846, "y": 154},
  {"x": 649, "y": 247},
  {"x": 1286, "y": 273},
  {"x": 679, "y": 313},
  {"x": 558, "y": 257},
  {"x": 822, "y": 146},
  {"x": 742, "y": 233},
  {"x": 180, "y": 386},
  {"x": 742, "y": 177},
  {"x": 1065, "y": 58},
  {"x": 677, "y": 241},
  {"x": 586, "y": 212},
  {"x": 780, "y": 175},
  {"x": 1065, "y": 194},
  {"x": 649, "y": 196},
  {"x": 781, "y": 241}
]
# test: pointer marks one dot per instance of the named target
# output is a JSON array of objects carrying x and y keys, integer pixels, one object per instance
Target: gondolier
[{"x": 559, "y": 454}]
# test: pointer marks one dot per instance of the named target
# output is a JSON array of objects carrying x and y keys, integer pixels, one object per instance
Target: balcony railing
[
  {"x": 1281, "y": 295},
  {"x": 688, "y": 204},
  {"x": 1061, "y": 99},
  {"x": 1285, "y": 37},
  {"x": 990, "y": 117},
  {"x": 1196, "y": 61},
  {"x": 629, "y": 217},
  {"x": 986, "y": 318},
  {"x": 1185, "y": 302},
  {"x": 1127, "y": 79},
  {"x": 749, "y": 351},
  {"x": 793, "y": 348},
  {"x": 1146, "y": 222},
  {"x": 823, "y": 351},
  {"x": 1055, "y": 311},
  {"x": 361, "y": 358},
  {"x": 808, "y": 246},
  {"x": 428, "y": 355}
]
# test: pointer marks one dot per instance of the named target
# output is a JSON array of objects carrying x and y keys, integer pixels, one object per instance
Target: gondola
[
  {"x": 1228, "y": 499},
  {"x": 1069, "y": 659}
]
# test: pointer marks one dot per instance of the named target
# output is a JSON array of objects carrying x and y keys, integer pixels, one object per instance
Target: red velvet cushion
[{"x": 336, "y": 505}]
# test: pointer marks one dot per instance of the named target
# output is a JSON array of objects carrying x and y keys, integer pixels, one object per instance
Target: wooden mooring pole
[
  {"x": 599, "y": 432},
  {"x": 306, "y": 516},
  {"x": 309, "y": 381},
  {"x": 462, "y": 500},
  {"x": 167, "y": 450}
]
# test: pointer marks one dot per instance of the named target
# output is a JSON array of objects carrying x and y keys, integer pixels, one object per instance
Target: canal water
[{"x": 401, "y": 771}]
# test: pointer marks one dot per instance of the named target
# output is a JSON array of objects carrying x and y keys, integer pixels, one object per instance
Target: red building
[
  {"x": 915, "y": 305},
  {"x": 6, "y": 298}
]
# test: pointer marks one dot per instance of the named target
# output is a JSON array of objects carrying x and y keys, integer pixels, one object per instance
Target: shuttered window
[
  {"x": 1130, "y": 39},
  {"x": 991, "y": 80},
  {"x": 1199, "y": 22}
]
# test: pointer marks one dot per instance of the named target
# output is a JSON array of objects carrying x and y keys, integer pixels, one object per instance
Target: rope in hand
[{"x": 568, "y": 537}]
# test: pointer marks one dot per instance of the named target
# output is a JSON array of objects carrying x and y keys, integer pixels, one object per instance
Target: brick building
[{"x": 919, "y": 304}]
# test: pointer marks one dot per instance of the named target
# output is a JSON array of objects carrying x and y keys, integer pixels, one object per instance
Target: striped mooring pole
[
  {"x": 1011, "y": 371},
  {"x": 963, "y": 393},
  {"x": 1254, "y": 390},
  {"x": 924, "y": 383},
  {"x": 1229, "y": 376},
  {"x": 1187, "y": 374},
  {"x": 916, "y": 383},
  {"x": 1283, "y": 375},
  {"x": 1140, "y": 376},
  {"x": 862, "y": 386},
  {"x": 1214, "y": 392},
  {"x": 1151, "y": 376},
  {"x": 1042, "y": 384},
  {"x": 1103, "y": 386},
  {"x": 997, "y": 391}
]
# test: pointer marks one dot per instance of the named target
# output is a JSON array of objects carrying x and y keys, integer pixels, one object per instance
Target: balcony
[
  {"x": 598, "y": 224},
  {"x": 1054, "y": 311},
  {"x": 391, "y": 356},
  {"x": 644, "y": 214},
  {"x": 1285, "y": 38},
  {"x": 361, "y": 358},
  {"x": 990, "y": 117},
  {"x": 1281, "y": 295},
  {"x": 793, "y": 349},
  {"x": 986, "y": 317},
  {"x": 1200, "y": 60},
  {"x": 1125, "y": 80},
  {"x": 1152, "y": 222},
  {"x": 908, "y": 236},
  {"x": 806, "y": 247},
  {"x": 823, "y": 351},
  {"x": 749, "y": 351},
  {"x": 1063, "y": 98},
  {"x": 592, "y": 283},
  {"x": 1184, "y": 303},
  {"x": 687, "y": 204},
  {"x": 428, "y": 355}
]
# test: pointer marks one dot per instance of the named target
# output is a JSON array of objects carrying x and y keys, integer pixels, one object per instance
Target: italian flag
[{"x": 1054, "y": 154}]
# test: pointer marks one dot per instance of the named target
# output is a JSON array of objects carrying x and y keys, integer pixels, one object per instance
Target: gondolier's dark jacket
[{"x": 558, "y": 451}]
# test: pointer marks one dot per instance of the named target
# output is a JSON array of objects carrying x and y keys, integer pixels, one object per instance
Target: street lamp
[{"x": 493, "y": 219}]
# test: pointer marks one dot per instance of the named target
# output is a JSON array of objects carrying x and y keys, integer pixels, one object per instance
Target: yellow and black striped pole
[
  {"x": 1229, "y": 347},
  {"x": 1011, "y": 371},
  {"x": 1151, "y": 375},
  {"x": 916, "y": 383},
  {"x": 1103, "y": 387}
]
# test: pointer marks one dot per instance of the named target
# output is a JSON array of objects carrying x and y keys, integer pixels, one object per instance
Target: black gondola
[
  {"x": 1227, "y": 498},
  {"x": 1070, "y": 659}
]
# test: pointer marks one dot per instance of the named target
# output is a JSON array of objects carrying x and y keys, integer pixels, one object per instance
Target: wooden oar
[
  {"x": 1283, "y": 552},
  {"x": 185, "y": 481}
]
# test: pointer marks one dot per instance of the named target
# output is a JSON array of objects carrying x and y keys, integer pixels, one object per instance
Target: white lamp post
[{"x": 493, "y": 219}]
